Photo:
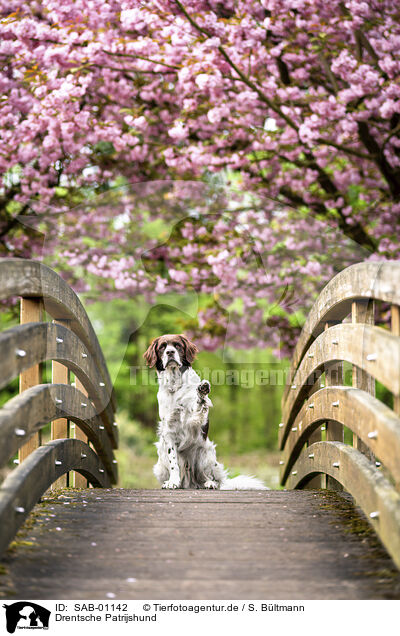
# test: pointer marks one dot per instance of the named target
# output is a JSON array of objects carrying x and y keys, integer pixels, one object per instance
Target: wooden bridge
[{"x": 340, "y": 464}]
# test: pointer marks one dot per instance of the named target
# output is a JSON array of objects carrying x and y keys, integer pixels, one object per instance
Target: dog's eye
[
  {"x": 162, "y": 346},
  {"x": 177, "y": 345}
]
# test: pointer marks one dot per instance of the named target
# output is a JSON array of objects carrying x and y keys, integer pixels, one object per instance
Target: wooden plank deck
[{"x": 154, "y": 544}]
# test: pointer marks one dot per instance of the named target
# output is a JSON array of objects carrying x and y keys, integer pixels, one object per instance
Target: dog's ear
[
  {"x": 190, "y": 349},
  {"x": 151, "y": 354}
]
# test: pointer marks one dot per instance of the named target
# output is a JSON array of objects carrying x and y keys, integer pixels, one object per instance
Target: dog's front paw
[
  {"x": 170, "y": 484},
  {"x": 210, "y": 484},
  {"x": 204, "y": 388}
]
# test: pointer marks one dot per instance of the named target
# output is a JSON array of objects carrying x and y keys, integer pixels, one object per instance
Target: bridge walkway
[{"x": 155, "y": 544}]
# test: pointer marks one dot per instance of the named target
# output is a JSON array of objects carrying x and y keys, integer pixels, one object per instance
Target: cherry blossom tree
[{"x": 265, "y": 132}]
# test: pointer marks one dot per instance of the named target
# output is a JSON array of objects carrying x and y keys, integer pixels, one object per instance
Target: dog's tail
[{"x": 243, "y": 482}]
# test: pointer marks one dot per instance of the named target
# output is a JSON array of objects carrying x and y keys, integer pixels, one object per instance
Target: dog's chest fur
[
  {"x": 177, "y": 397},
  {"x": 176, "y": 392}
]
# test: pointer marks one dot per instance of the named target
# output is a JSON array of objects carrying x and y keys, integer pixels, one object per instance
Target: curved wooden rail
[
  {"x": 31, "y": 279},
  {"x": 32, "y": 343},
  {"x": 314, "y": 415},
  {"x": 376, "y": 496},
  {"x": 80, "y": 415},
  {"x": 28, "y": 412},
  {"x": 24, "y": 486},
  {"x": 365, "y": 281},
  {"x": 367, "y": 417},
  {"x": 372, "y": 349}
]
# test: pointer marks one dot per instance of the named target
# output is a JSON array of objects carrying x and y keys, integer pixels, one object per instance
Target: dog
[{"x": 186, "y": 456}]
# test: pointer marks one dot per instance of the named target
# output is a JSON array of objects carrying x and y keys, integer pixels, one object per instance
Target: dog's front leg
[{"x": 174, "y": 480}]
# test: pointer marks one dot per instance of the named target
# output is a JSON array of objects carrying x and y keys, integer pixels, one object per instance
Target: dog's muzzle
[{"x": 171, "y": 356}]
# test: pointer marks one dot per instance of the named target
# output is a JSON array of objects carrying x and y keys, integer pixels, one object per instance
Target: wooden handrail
[
  {"x": 24, "y": 486},
  {"x": 70, "y": 343},
  {"x": 31, "y": 279},
  {"x": 364, "y": 415},
  {"x": 27, "y": 413},
  {"x": 32, "y": 343},
  {"x": 314, "y": 415},
  {"x": 371, "y": 349}
]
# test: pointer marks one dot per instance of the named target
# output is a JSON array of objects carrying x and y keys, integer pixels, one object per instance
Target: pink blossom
[{"x": 179, "y": 131}]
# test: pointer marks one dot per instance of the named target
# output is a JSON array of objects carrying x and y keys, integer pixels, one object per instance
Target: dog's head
[{"x": 169, "y": 350}]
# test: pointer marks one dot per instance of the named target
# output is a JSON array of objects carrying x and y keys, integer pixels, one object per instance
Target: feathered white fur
[
  {"x": 243, "y": 482},
  {"x": 186, "y": 456}
]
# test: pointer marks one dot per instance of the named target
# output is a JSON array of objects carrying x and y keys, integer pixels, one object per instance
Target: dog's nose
[{"x": 170, "y": 352}]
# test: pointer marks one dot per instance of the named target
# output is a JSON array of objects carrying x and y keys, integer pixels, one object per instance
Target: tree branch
[
  {"x": 141, "y": 57},
  {"x": 346, "y": 149},
  {"x": 355, "y": 232},
  {"x": 391, "y": 175}
]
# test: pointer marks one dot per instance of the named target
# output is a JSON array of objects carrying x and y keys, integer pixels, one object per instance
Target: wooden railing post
[
  {"x": 31, "y": 310},
  {"x": 76, "y": 479},
  {"x": 60, "y": 427},
  {"x": 363, "y": 311},
  {"x": 334, "y": 430},
  {"x": 317, "y": 482}
]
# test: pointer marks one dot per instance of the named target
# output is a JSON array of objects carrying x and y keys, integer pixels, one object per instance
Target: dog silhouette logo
[{"x": 26, "y": 615}]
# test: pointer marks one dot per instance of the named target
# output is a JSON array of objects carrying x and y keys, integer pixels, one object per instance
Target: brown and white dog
[{"x": 186, "y": 456}]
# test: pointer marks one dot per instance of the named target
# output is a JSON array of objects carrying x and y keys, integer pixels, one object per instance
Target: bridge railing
[
  {"x": 83, "y": 428},
  {"x": 335, "y": 432}
]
